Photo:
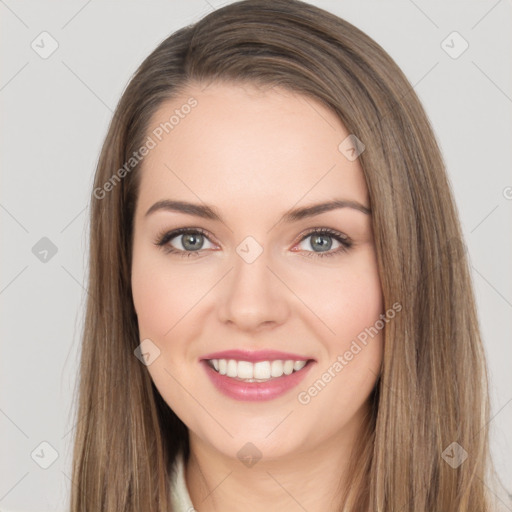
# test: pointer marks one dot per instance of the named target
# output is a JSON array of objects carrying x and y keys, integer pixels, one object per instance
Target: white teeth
[
  {"x": 245, "y": 370},
  {"x": 232, "y": 368},
  {"x": 262, "y": 370},
  {"x": 298, "y": 365},
  {"x": 288, "y": 367},
  {"x": 276, "y": 368}
]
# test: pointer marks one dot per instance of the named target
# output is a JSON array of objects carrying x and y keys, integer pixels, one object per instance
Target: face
[{"x": 247, "y": 276}]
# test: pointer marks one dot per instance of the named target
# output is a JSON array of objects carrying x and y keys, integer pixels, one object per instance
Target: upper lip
[{"x": 256, "y": 355}]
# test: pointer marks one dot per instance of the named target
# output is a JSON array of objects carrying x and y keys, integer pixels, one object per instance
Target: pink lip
[
  {"x": 255, "y": 391},
  {"x": 255, "y": 356}
]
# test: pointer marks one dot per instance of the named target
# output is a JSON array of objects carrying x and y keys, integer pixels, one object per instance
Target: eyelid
[
  {"x": 324, "y": 230},
  {"x": 344, "y": 240},
  {"x": 165, "y": 236}
]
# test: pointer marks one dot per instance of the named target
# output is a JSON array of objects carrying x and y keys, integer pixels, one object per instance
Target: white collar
[{"x": 180, "y": 497}]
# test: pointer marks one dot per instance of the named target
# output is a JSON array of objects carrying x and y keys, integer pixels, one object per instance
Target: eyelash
[{"x": 164, "y": 237}]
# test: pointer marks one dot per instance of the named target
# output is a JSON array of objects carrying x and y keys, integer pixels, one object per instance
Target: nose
[{"x": 252, "y": 297}]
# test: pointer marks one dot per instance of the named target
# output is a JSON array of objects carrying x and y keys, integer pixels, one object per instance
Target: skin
[{"x": 254, "y": 154}]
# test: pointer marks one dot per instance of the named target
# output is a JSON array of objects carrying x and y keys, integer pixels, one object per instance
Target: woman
[{"x": 281, "y": 313}]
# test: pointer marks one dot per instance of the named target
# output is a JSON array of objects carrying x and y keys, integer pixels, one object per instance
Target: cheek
[
  {"x": 346, "y": 300},
  {"x": 152, "y": 304},
  {"x": 347, "y": 374},
  {"x": 357, "y": 303},
  {"x": 162, "y": 296},
  {"x": 358, "y": 343},
  {"x": 349, "y": 303}
]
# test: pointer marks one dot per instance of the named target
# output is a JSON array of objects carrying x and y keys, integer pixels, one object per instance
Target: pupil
[
  {"x": 192, "y": 242},
  {"x": 322, "y": 246}
]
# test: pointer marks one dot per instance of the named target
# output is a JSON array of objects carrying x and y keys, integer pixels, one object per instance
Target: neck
[{"x": 309, "y": 479}]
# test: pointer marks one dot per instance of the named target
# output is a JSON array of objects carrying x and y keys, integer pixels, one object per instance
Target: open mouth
[{"x": 261, "y": 371}]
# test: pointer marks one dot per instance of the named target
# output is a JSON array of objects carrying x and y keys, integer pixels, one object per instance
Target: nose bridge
[{"x": 252, "y": 295}]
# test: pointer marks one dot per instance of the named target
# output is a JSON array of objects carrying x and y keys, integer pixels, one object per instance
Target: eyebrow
[{"x": 293, "y": 215}]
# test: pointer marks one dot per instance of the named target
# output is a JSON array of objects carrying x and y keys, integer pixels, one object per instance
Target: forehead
[{"x": 247, "y": 146}]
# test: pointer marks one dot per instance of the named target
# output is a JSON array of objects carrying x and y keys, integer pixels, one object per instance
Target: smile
[
  {"x": 258, "y": 381},
  {"x": 261, "y": 371}
]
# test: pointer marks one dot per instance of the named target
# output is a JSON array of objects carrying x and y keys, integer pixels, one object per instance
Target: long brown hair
[{"x": 432, "y": 390}]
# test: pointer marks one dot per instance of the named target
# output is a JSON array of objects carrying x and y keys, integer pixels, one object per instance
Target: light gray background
[{"x": 55, "y": 114}]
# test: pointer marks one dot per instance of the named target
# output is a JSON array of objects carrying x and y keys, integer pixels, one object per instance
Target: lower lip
[{"x": 256, "y": 391}]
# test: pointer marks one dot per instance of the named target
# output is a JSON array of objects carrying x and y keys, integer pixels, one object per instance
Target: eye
[
  {"x": 189, "y": 241},
  {"x": 321, "y": 239}
]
